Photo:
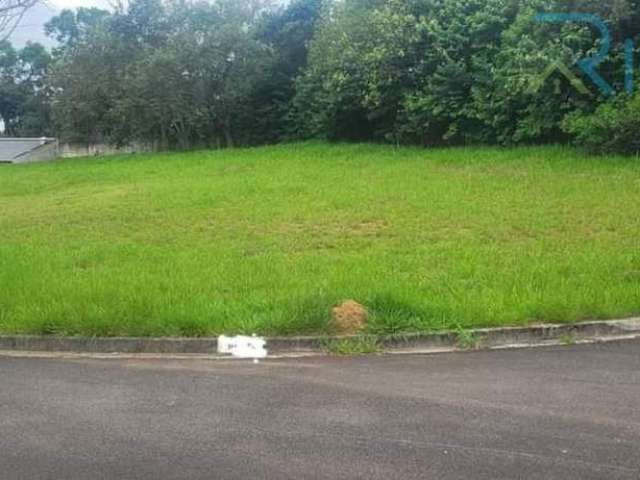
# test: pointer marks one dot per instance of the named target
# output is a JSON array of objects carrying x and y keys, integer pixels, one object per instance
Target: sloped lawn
[{"x": 267, "y": 240}]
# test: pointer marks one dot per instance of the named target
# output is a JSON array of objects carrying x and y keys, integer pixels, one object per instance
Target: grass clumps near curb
[
  {"x": 352, "y": 346},
  {"x": 568, "y": 339},
  {"x": 466, "y": 339}
]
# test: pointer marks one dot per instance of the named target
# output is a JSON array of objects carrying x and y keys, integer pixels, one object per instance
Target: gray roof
[{"x": 13, "y": 148}]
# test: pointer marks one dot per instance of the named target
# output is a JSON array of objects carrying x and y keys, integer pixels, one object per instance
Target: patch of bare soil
[{"x": 349, "y": 318}]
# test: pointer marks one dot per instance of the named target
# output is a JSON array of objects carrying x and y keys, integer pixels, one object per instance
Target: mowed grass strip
[{"x": 267, "y": 240}]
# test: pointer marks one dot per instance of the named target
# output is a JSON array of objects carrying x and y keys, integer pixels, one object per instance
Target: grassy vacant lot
[{"x": 268, "y": 240}]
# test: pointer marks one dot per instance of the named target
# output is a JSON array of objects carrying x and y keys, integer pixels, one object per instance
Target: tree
[
  {"x": 71, "y": 27},
  {"x": 176, "y": 74},
  {"x": 401, "y": 70},
  {"x": 24, "y": 94},
  {"x": 360, "y": 67},
  {"x": 287, "y": 32},
  {"x": 11, "y": 12}
]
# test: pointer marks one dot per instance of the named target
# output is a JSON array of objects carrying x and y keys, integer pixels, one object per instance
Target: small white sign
[{"x": 242, "y": 346}]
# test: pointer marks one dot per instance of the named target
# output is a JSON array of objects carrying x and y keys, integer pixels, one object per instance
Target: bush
[{"x": 613, "y": 128}]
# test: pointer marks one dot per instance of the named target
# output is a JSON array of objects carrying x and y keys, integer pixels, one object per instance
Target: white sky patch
[
  {"x": 31, "y": 28},
  {"x": 60, "y": 4}
]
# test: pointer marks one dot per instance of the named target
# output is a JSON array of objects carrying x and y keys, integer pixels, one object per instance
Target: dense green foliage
[
  {"x": 268, "y": 240},
  {"x": 614, "y": 127},
  {"x": 24, "y": 96},
  {"x": 451, "y": 71},
  {"x": 182, "y": 74}
]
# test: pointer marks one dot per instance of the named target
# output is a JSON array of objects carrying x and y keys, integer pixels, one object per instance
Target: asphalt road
[{"x": 556, "y": 413}]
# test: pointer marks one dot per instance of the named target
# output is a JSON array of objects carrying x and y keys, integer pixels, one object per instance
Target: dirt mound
[{"x": 349, "y": 318}]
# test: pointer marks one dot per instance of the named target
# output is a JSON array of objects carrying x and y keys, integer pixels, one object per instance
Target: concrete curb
[{"x": 483, "y": 338}]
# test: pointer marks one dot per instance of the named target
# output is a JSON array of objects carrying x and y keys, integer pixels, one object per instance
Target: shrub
[{"x": 613, "y": 128}]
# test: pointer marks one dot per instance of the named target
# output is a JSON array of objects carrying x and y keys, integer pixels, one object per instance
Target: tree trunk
[{"x": 227, "y": 134}]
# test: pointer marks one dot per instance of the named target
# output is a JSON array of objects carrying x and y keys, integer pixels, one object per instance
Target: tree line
[{"x": 183, "y": 74}]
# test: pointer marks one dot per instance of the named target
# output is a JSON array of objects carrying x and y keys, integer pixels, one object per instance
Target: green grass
[
  {"x": 358, "y": 345},
  {"x": 466, "y": 339},
  {"x": 568, "y": 339},
  {"x": 267, "y": 240}
]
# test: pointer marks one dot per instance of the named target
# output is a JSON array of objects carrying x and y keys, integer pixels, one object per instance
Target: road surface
[{"x": 554, "y": 413}]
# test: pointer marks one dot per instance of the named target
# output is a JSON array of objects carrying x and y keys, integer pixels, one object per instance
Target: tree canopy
[{"x": 25, "y": 97}]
